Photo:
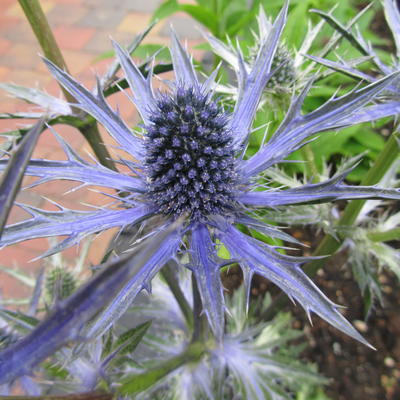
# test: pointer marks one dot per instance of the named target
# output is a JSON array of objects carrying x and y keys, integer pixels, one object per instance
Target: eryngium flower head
[
  {"x": 252, "y": 361},
  {"x": 288, "y": 70},
  {"x": 190, "y": 163}
]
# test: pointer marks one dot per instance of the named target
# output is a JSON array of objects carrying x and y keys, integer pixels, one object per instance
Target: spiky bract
[{"x": 192, "y": 164}]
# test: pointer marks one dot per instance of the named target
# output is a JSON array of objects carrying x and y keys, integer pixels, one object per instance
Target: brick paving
[{"x": 82, "y": 29}]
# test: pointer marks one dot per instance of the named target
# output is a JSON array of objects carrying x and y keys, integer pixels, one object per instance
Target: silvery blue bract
[{"x": 190, "y": 163}]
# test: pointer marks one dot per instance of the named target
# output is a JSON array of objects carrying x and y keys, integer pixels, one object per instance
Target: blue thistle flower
[{"x": 190, "y": 163}]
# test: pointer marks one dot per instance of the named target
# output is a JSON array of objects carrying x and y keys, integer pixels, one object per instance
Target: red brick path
[{"x": 82, "y": 29}]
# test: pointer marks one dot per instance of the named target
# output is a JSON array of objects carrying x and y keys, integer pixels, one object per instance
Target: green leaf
[
  {"x": 21, "y": 321},
  {"x": 370, "y": 139},
  {"x": 145, "y": 51},
  {"x": 294, "y": 32},
  {"x": 246, "y": 18},
  {"x": 202, "y": 15},
  {"x": 129, "y": 340},
  {"x": 165, "y": 10},
  {"x": 105, "y": 56},
  {"x": 108, "y": 340},
  {"x": 138, "y": 382}
]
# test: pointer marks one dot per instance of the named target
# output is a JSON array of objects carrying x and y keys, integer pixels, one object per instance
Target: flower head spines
[
  {"x": 188, "y": 145},
  {"x": 60, "y": 284},
  {"x": 285, "y": 72}
]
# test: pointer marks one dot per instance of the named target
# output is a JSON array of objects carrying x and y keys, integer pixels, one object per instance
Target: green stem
[
  {"x": 200, "y": 326},
  {"x": 41, "y": 28},
  {"x": 91, "y": 133},
  {"x": 329, "y": 245},
  {"x": 391, "y": 234},
  {"x": 169, "y": 276},
  {"x": 310, "y": 167},
  {"x": 139, "y": 382}
]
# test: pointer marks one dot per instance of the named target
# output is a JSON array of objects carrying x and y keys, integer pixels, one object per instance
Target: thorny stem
[
  {"x": 41, "y": 28},
  {"x": 329, "y": 245},
  {"x": 200, "y": 325},
  {"x": 170, "y": 278},
  {"x": 92, "y": 135},
  {"x": 139, "y": 382}
]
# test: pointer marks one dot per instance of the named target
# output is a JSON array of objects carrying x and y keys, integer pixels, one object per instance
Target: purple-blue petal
[
  {"x": 98, "y": 107},
  {"x": 206, "y": 269},
  {"x": 14, "y": 172},
  {"x": 183, "y": 66},
  {"x": 141, "y": 87},
  {"x": 296, "y": 127},
  {"x": 74, "y": 224},
  {"x": 124, "y": 298},
  {"x": 392, "y": 15},
  {"x": 285, "y": 272},
  {"x": 255, "y": 81},
  {"x": 329, "y": 190},
  {"x": 65, "y": 322}
]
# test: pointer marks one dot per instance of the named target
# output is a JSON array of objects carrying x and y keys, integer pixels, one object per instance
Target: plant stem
[
  {"x": 329, "y": 245},
  {"x": 168, "y": 274},
  {"x": 91, "y": 133},
  {"x": 139, "y": 382},
  {"x": 391, "y": 234},
  {"x": 310, "y": 168},
  {"x": 200, "y": 328},
  {"x": 41, "y": 28}
]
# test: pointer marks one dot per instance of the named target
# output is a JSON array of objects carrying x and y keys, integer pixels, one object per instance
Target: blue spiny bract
[{"x": 191, "y": 164}]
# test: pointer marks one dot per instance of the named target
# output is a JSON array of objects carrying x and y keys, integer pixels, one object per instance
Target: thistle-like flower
[
  {"x": 254, "y": 360},
  {"x": 289, "y": 72},
  {"x": 189, "y": 162}
]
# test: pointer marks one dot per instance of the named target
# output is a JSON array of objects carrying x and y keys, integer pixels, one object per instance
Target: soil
[{"x": 355, "y": 371}]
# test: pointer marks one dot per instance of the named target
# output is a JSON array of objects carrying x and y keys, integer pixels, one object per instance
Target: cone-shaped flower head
[{"x": 190, "y": 163}]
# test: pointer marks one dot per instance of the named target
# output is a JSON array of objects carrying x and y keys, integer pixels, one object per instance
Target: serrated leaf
[
  {"x": 20, "y": 275},
  {"x": 35, "y": 96},
  {"x": 129, "y": 340},
  {"x": 67, "y": 319},
  {"x": 21, "y": 322},
  {"x": 14, "y": 172}
]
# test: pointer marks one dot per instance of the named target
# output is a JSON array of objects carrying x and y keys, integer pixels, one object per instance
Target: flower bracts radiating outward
[{"x": 189, "y": 164}]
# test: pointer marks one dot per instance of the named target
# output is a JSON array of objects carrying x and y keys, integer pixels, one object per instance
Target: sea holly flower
[
  {"x": 289, "y": 71},
  {"x": 189, "y": 162},
  {"x": 253, "y": 360}
]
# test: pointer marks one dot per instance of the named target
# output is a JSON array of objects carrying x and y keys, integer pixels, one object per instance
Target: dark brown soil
[{"x": 356, "y": 371}]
